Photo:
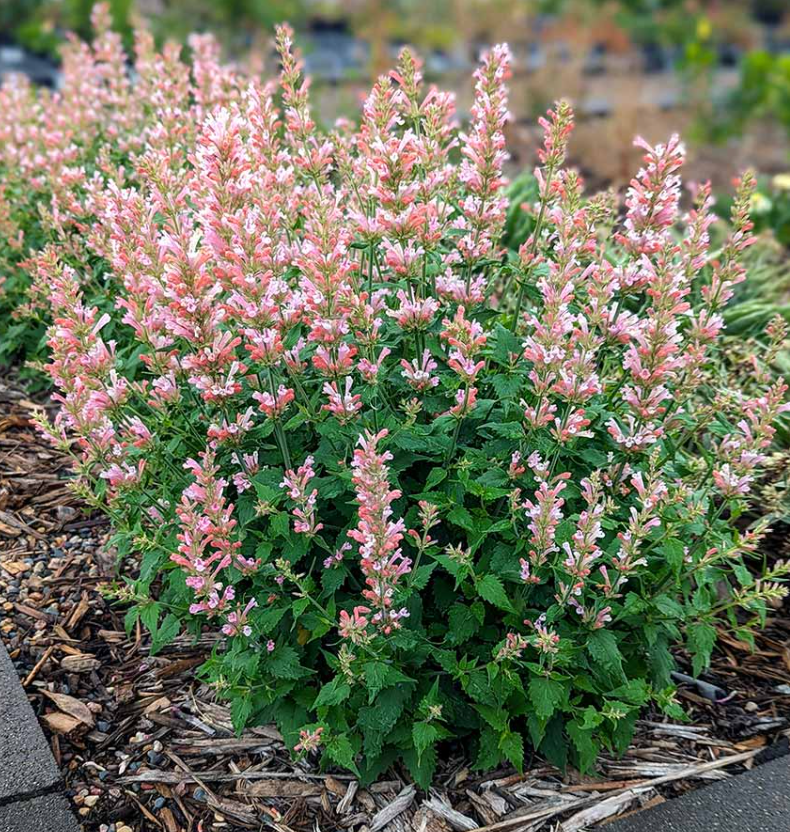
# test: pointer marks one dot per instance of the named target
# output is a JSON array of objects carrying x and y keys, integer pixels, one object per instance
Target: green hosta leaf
[
  {"x": 546, "y": 695},
  {"x": 700, "y": 638},
  {"x": 492, "y": 590}
]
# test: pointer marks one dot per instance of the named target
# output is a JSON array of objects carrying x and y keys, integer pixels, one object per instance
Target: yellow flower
[
  {"x": 781, "y": 181},
  {"x": 760, "y": 204},
  {"x": 704, "y": 28}
]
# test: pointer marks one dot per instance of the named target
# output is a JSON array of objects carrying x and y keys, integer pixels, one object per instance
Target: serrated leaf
[
  {"x": 462, "y": 624},
  {"x": 605, "y": 652},
  {"x": 511, "y": 744},
  {"x": 333, "y": 693},
  {"x": 492, "y": 590},
  {"x": 675, "y": 553},
  {"x": 585, "y": 744},
  {"x": 700, "y": 638},
  {"x": 424, "y": 735},
  {"x": 165, "y": 633},
  {"x": 422, "y": 575},
  {"x": 421, "y": 767},
  {"x": 340, "y": 751},
  {"x": 546, "y": 695},
  {"x": 379, "y": 675},
  {"x": 240, "y": 710}
]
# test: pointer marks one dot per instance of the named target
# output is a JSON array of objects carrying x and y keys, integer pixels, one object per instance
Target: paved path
[
  {"x": 757, "y": 801},
  {"x": 30, "y": 799}
]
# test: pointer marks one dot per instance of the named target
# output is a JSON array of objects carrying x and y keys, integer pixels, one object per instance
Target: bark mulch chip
[{"x": 142, "y": 745}]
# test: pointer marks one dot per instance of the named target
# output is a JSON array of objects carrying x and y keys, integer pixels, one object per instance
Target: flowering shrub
[
  {"x": 59, "y": 150},
  {"x": 418, "y": 488}
]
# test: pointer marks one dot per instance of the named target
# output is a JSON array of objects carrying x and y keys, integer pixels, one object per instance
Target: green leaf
[
  {"x": 149, "y": 616},
  {"x": 511, "y": 744},
  {"x": 422, "y": 575},
  {"x": 661, "y": 663},
  {"x": 284, "y": 664},
  {"x": 424, "y": 735},
  {"x": 340, "y": 751},
  {"x": 460, "y": 516},
  {"x": 165, "y": 633},
  {"x": 421, "y": 767},
  {"x": 333, "y": 693},
  {"x": 700, "y": 638},
  {"x": 675, "y": 553},
  {"x": 434, "y": 478},
  {"x": 546, "y": 695},
  {"x": 586, "y": 746},
  {"x": 492, "y": 590},
  {"x": 379, "y": 675},
  {"x": 463, "y": 625},
  {"x": 240, "y": 710},
  {"x": 605, "y": 652},
  {"x": 488, "y": 754}
]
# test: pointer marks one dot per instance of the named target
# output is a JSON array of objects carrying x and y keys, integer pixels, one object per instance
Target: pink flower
[
  {"x": 236, "y": 623},
  {"x": 418, "y": 374},
  {"x": 342, "y": 405},
  {"x": 296, "y": 483},
  {"x": 376, "y": 533},
  {"x": 274, "y": 407},
  {"x": 309, "y": 740}
]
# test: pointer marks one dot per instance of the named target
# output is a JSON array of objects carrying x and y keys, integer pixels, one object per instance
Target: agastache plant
[{"x": 421, "y": 488}]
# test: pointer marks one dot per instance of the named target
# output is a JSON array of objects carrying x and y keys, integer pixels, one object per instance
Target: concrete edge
[{"x": 30, "y": 780}]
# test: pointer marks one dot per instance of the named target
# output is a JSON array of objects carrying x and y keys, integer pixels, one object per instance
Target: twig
[
  {"x": 39, "y": 664},
  {"x": 543, "y": 814},
  {"x": 175, "y": 777}
]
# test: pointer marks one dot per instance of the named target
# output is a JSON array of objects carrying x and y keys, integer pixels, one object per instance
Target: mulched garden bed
[{"x": 144, "y": 746}]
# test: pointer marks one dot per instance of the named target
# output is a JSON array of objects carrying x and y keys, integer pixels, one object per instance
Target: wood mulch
[{"x": 144, "y": 746}]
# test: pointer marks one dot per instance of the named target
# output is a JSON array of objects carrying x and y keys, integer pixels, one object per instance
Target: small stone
[
  {"x": 123, "y": 828},
  {"x": 103, "y": 726},
  {"x": 751, "y": 707},
  {"x": 199, "y": 794},
  {"x": 157, "y": 746},
  {"x": 159, "y": 803},
  {"x": 91, "y": 800}
]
